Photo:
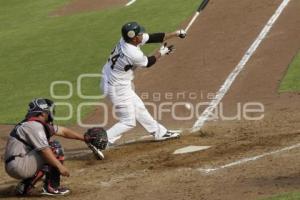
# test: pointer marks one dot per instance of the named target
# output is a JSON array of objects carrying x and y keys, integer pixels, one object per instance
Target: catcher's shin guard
[
  {"x": 52, "y": 179},
  {"x": 26, "y": 186},
  {"x": 52, "y": 183},
  {"x": 52, "y": 173}
]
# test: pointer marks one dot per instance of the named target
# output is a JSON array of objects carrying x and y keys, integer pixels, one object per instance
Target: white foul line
[
  {"x": 130, "y": 2},
  {"x": 245, "y": 160},
  {"x": 230, "y": 79}
]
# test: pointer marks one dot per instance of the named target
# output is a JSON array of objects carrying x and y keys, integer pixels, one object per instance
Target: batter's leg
[
  {"x": 126, "y": 115},
  {"x": 146, "y": 120}
]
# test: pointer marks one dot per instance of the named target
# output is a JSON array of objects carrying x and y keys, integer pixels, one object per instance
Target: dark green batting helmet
[{"x": 130, "y": 30}]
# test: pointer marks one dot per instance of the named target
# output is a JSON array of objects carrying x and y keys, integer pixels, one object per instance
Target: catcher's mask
[
  {"x": 39, "y": 105},
  {"x": 131, "y": 30}
]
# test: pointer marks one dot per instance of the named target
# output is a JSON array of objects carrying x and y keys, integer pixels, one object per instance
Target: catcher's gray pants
[{"x": 26, "y": 166}]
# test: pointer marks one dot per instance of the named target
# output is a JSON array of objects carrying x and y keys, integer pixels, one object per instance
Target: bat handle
[
  {"x": 201, "y": 7},
  {"x": 192, "y": 21}
]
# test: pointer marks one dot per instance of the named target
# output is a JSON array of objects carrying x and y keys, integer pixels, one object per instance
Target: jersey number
[{"x": 115, "y": 58}]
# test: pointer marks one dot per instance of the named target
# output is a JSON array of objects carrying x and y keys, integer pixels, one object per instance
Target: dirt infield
[{"x": 216, "y": 43}]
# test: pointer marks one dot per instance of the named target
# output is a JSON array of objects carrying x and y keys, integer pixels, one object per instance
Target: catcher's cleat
[
  {"x": 50, "y": 191},
  {"x": 169, "y": 135},
  {"x": 24, "y": 188}
]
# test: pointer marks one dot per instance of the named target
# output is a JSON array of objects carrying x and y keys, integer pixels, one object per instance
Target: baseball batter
[{"x": 118, "y": 74}]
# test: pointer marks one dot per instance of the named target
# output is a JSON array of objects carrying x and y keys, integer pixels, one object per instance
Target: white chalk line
[
  {"x": 230, "y": 79},
  {"x": 245, "y": 160},
  {"x": 130, "y": 2}
]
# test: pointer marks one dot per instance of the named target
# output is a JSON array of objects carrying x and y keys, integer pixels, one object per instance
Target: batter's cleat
[
  {"x": 169, "y": 135},
  {"x": 50, "y": 191},
  {"x": 152, "y": 134}
]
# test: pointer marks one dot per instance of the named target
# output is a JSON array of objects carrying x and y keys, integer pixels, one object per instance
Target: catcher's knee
[{"x": 57, "y": 149}]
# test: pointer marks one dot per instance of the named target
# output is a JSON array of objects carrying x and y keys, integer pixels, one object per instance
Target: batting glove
[
  {"x": 166, "y": 50},
  {"x": 181, "y": 33}
]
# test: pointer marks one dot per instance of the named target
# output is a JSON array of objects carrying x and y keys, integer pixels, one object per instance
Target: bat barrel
[{"x": 203, "y": 5}]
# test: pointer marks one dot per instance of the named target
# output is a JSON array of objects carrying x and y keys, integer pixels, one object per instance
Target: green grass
[
  {"x": 37, "y": 49},
  {"x": 291, "y": 81},
  {"x": 289, "y": 196}
]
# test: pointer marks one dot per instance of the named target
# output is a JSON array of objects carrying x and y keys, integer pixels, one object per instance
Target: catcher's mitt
[{"x": 96, "y": 139}]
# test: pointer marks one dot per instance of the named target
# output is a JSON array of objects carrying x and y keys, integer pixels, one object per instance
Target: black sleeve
[
  {"x": 151, "y": 61},
  {"x": 156, "y": 38}
]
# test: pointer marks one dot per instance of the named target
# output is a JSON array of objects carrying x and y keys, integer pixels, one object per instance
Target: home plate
[{"x": 190, "y": 149}]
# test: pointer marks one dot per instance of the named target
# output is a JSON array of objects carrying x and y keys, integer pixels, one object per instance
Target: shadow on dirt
[
  {"x": 292, "y": 180},
  {"x": 8, "y": 192}
]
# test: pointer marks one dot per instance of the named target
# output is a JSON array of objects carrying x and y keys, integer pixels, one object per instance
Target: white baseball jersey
[{"x": 124, "y": 59}]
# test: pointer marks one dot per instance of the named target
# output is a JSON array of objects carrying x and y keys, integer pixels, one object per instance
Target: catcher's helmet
[
  {"x": 130, "y": 30},
  {"x": 40, "y": 105}
]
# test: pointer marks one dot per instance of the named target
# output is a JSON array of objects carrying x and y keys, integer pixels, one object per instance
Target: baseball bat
[{"x": 199, "y": 10}]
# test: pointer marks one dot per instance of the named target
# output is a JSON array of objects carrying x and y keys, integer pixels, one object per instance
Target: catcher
[{"x": 30, "y": 153}]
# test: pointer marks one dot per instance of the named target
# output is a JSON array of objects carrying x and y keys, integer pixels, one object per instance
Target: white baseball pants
[{"x": 129, "y": 108}]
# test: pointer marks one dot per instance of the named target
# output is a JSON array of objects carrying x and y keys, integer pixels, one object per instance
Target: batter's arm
[
  {"x": 152, "y": 59},
  {"x": 178, "y": 33},
  {"x": 170, "y": 35},
  {"x": 164, "y": 50},
  {"x": 161, "y": 37}
]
